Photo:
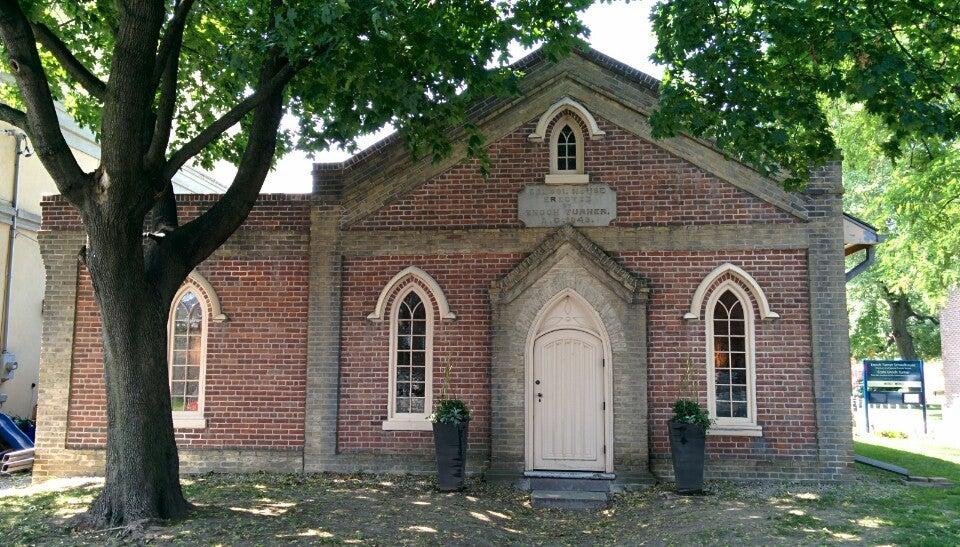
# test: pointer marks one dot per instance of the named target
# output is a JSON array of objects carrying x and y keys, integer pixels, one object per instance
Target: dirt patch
[{"x": 382, "y": 510}]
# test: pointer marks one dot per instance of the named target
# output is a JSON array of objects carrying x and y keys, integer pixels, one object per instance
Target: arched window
[
  {"x": 187, "y": 354},
  {"x": 193, "y": 308},
  {"x": 411, "y": 360},
  {"x": 731, "y": 375},
  {"x": 566, "y": 152}
]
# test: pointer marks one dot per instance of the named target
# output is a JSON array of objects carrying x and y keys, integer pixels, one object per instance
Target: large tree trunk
[
  {"x": 900, "y": 313},
  {"x": 142, "y": 466}
]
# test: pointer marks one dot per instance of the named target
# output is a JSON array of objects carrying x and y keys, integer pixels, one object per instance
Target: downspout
[
  {"x": 863, "y": 265},
  {"x": 21, "y": 150}
]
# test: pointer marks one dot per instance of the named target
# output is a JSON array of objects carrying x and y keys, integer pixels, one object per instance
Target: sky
[{"x": 619, "y": 29}]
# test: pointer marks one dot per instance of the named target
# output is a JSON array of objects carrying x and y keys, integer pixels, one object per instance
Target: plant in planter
[
  {"x": 688, "y": 432},
  {"x": 450, "y": 420}
]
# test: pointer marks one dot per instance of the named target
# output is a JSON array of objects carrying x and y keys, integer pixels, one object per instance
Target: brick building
[{"x": 574, "y": 294}]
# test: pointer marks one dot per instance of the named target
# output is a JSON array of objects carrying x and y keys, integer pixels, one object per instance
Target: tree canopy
[
  {"x": 782, "y": 85},
  {"x": 358, "y": 65},
  {"x": 753, "y": 75},
  {"x": 914, "y": 203}
]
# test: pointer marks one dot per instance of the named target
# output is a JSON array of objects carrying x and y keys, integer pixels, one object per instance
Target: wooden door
[{"x": 568, "y": 401}]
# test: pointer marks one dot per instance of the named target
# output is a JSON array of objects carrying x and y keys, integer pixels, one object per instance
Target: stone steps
[
  {"x": 579, "y": 491},
  {"x": 570, "y": 500}
]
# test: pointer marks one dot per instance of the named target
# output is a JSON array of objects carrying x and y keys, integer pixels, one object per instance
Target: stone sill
[
  {"x": 407, "y": 425},
  {"x": 736, "y": 430},
  {"x": 189, "y": 422},
  {"x": 570, "y": 178}
]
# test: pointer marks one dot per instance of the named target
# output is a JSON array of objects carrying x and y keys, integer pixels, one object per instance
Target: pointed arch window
[
  {"x": 187, "y": 356},
  {"x": 731, "y": 369},
  {"x": 194, "y": 307},
  {"x": 566, "y": 152},
  {"x": 411, "y": 361}
]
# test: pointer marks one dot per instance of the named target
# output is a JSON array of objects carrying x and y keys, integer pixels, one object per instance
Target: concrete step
[
  {"x": 567, "y": 485},
  {"x": 566, "y": 499}
]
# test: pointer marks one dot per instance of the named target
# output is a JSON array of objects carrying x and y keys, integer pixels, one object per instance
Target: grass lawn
[{"x": 266, "y": 509}]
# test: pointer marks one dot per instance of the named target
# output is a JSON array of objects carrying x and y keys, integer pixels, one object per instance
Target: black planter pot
[
  {"x": 687, "y": 449},
  {"x": 450, "y": 442}
]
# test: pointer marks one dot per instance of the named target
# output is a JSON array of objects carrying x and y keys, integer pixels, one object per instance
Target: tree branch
[
  {"x": 43, "y": 126},
  {"x": 69, "y": 62},
  {"x": 169, "y": 54},
  {"x": 172, "y": 39},
  {"x": 230, "y": 118},
  {"x": 13, "y": 116},
  {"x": 197, "y": 239}
]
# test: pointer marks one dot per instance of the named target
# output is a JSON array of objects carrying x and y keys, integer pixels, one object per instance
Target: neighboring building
[
  {"x": 593, "y": 279},
  {"x": 950, "y": 344},
  {"x": 23, "y": 183}
]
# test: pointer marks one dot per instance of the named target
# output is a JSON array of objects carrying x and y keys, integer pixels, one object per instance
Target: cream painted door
[{"x": 568, "y": 405}]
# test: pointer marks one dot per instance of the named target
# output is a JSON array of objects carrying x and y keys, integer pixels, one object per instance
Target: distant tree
[
  {"x": 753, "y": 75},
  {"x": 915, "y": 202},
  {"x": 165, "y": 82}
]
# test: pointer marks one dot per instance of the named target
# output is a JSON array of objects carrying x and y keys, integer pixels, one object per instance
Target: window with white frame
[
  {"x": 411, "y": 360},
  {"x": 187, "y": 340},
  {"x": 731, "y": 375},
  {"x": 566, "y": 152}
]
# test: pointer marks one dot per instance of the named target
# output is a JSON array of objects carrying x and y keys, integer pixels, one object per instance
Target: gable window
[
  {"x": 566, "y": 152},
  {"x": 731, "y": 374},
  {"x": 194, "y": 307},
  {"x": 411, "y": 361}
]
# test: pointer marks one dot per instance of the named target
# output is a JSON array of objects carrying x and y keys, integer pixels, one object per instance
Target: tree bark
[
  {"x": 142, "y": 465},
  {"x": 900, "y": 313}
]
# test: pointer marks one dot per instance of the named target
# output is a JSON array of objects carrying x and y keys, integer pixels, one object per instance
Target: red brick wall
[
  {"x": 256, "y": 360},
  {"x": 463, "y": 342},
  {"x": 785, "y": 406},
  {"x": 654, "y": 188},
  {"x": 784, "y": 381}
]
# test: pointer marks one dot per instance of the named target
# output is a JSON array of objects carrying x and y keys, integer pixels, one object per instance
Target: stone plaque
[{"x": 541, "y": 205}]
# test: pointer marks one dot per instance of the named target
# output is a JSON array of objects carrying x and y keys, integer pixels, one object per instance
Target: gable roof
[{"x": 623, "y": 95}]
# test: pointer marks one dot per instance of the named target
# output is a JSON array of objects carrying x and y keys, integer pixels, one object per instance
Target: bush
[
  {"x": 450, "y": 411},
  {"x": 689, "y": 412},
  {"x": 893, "y": 434}
]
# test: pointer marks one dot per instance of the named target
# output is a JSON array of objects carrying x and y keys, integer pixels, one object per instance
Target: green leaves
[
  {"x": 753, "y": 75},
  {"x": 451, "y": 412},
  {"x": 690, "y": 412},
  {"x": 913, "y": 202},
  {"x": 410, "y": 63}
]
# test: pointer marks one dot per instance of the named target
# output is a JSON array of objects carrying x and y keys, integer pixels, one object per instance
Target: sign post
[
  {"x": 893, "y": 374},
  {"x": 866, "y": 398}
]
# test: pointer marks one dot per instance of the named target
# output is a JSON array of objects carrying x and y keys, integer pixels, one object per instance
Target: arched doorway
[{"x": 569, "y": 411}]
